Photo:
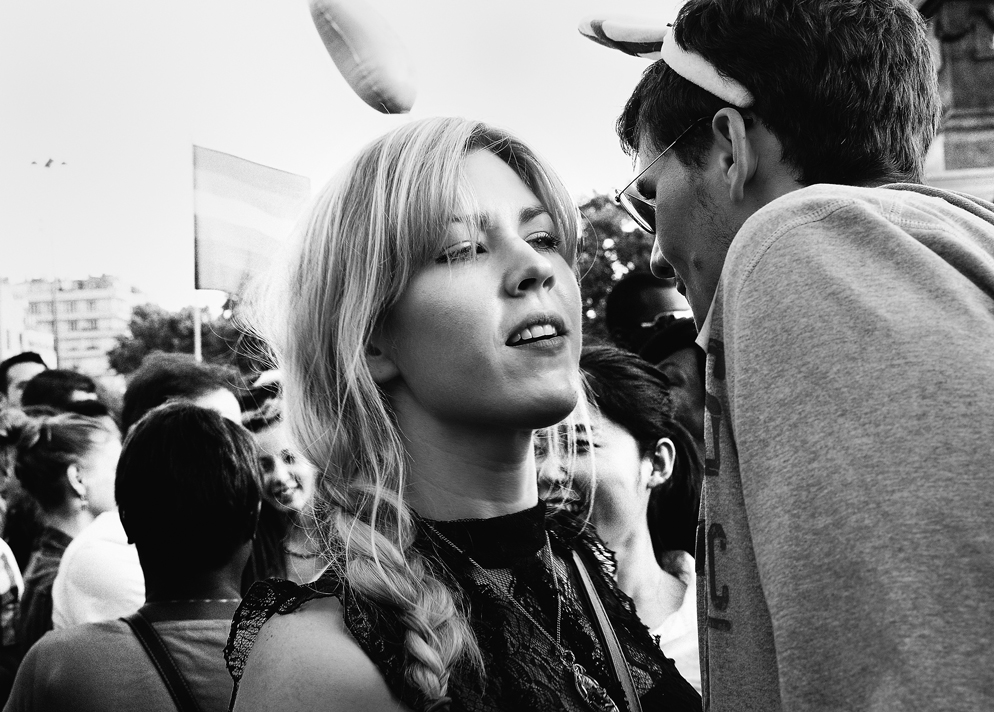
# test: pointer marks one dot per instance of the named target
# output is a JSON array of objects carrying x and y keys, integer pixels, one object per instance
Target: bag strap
[
  {"x": 616, "y": 657},
  {"x": 164, "y": 663}
]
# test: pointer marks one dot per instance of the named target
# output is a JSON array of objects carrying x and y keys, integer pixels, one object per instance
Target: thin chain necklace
[
  {"x": 590, "y": 691},
  {"x": 199, "y": 600}
]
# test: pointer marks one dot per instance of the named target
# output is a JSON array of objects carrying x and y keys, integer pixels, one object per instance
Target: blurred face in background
[
  {"x": 288, "y": 479},
  {"x": 609, "y": 473},
  {"x": 17, "y": 378}
]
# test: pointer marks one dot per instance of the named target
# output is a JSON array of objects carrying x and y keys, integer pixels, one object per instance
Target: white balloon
[{"x": 367, "y": 53}]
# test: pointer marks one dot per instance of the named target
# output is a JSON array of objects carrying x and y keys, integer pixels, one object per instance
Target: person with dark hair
[
  {"x": 66, "y": 462},
  {"x": 165, "y": 377},
  {"x": 283, "y": 545},
  {"x": 58, "y": 388},
  {"x": 638, "y": 306},
  {"x": 100, "y": 576},
  {"x": 192, "y": 512},
  {"x": 636, "y": 472},
  {"x": 22, "y": 522},
  {"x": 848, "y": 318},
  {"x": 15, "y": 372},
  {"x": 674, "y": 351}
]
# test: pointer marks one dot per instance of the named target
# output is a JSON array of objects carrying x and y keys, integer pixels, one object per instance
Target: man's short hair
[
  {"x": 164, "y": 377},
  {"x": 188, "y": 487},
  {"x": 848, "y": 87},
  {"x": 57, "y": 387},
  {"x": 23, "y": 357}
]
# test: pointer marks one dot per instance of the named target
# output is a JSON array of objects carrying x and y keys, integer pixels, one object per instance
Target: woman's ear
[
  {"x": 663, "y": 459},
  {"x": 380, "y": 365},
  {"x": 72, "y": 475}
]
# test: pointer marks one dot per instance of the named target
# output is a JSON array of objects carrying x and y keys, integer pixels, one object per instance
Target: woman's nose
[{"x": 529, "y": 270}]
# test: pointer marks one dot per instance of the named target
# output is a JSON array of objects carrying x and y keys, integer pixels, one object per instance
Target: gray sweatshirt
[{"x": 846, "y": 549}]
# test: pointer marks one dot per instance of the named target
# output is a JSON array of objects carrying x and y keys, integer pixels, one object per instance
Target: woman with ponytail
[
  {"x": 635, "y": 473},
  {"x": 428, "y": 323},
  {"x": 66, "y": 462}
]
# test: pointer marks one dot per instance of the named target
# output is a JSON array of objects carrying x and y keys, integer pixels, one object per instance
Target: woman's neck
[
  {"x": 69, "y": 520},
  {"x": 466, "y": 472},
  {"x": 656, "y": 594}
]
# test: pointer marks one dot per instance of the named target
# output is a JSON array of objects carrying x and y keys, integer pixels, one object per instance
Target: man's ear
[
  {"x": 380, "y": 365},
  {"x": 663, "y": 459},
  {"x": 737, "y": 151}
]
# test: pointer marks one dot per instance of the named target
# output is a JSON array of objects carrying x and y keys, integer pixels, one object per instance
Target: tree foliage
[
  {"x": 223, "y": 339},
  {"x": 612, "y": 247}
]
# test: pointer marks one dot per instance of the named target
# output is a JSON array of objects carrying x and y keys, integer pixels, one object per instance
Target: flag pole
[{"x": 197, "y": 354}]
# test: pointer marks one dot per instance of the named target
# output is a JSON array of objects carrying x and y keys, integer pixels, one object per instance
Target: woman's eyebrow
[
  {"x": 480, "y": 221},
  {"x": 485, "y": 221},
  {"x": 530, "y": 213}
]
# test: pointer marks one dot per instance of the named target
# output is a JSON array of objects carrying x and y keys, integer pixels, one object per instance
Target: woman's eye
[
  {"x": 460, "y": 251},
  {"x": 544, "y": 241},
  {"x": 268, "y": 464},
  {"x": 582, "y": 445},
  {"x": 287, "y": 457}
]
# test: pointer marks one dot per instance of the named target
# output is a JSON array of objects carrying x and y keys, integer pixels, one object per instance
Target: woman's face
[
  {"x": 288, "y": 479},
  {"x": 97, "y": 470},
  {"x": 489, "y": 333},
  {"x": 608, "y": 461}
]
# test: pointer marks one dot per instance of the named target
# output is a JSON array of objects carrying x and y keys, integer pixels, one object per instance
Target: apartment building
[{"x": 84, "y": 317}]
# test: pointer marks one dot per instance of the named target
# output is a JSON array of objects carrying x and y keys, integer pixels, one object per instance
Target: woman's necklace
[
  {"x": 588, "y": 688},
  {"x": 198, "y": 600}
]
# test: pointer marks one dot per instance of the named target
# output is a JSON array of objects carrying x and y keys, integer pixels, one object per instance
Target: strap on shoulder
[
  {"x": 164, "y": 663},
  {"x": 616, "y": 657}
]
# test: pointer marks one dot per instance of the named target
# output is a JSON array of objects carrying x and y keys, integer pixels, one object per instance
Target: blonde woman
[{"x": 430, "y": 321}]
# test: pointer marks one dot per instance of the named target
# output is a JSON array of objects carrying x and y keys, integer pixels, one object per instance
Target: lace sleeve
[{"x": 264, "y": 600}]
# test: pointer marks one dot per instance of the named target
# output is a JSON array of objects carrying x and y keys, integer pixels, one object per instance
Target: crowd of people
[{"x": 770, "y": 492}]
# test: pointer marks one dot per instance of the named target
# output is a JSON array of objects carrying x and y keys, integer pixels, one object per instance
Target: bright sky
[{"x": 119, "y": 90}]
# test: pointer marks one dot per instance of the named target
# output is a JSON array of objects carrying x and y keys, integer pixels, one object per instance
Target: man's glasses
[{"x": 639, "y": 209}]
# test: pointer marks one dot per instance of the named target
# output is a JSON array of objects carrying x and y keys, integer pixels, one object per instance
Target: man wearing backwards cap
[{"x": 845, "y": 548}]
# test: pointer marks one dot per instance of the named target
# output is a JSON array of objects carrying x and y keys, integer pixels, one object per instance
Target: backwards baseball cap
[{"x": 653, "y": 40}]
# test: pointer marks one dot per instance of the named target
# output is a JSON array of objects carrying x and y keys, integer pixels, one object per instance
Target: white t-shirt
[
  {"x": 678, "y": 633},
  {"x": 99, "y": 576}
]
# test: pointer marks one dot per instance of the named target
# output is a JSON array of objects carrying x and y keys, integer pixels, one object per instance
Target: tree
[
  {"x": 612, "y": 247},
  {"x": 223, "y": 339}
]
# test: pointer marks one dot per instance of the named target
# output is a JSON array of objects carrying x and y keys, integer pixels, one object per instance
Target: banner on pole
[{"x": 242, "y": 211}]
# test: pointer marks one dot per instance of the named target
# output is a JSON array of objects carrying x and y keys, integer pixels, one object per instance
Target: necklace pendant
[{"x": 591, "y": 692}]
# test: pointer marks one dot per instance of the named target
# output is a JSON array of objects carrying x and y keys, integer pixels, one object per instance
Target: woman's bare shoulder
[{"x": 307, "y": 660}]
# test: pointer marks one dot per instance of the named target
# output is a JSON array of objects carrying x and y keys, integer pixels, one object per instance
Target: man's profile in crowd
[
  {"x": 848, "y": 316},
  {"x": 15, "y": 372}
]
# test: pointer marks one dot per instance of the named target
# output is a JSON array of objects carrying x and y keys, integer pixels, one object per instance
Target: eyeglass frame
[{"x": 625, "y": 202}]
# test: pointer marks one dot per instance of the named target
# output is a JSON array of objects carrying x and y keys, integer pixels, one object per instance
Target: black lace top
[{"x": 523, "y": 669}]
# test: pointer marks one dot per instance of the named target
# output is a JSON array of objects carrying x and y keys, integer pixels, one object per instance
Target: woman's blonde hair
[{"x": 367, "y": 234}]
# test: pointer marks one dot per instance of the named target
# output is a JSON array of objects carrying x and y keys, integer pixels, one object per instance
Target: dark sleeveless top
[{"x": 522, "y": 668}]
